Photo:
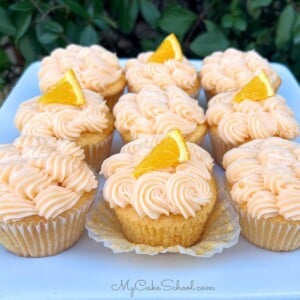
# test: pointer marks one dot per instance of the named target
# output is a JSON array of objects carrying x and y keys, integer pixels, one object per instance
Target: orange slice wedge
[
  {"x": 169, "y": 49},
  {"x": 66, "y": 91},
  {"x": 168, "y": 153},
  {"x": 258, "y": 88}
]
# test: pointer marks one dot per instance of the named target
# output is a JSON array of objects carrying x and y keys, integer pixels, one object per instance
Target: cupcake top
[
  {"x": 95, "y": 67},
  {"x": 41, "y": 177},
  {"x": 232, "y": 69},
  {"x": 181, "y": 190},
  {"x": 239, "y": 122},
  {"x": 265, "y": 176},
  {"x": 64, "y": 121},
  {"x": 154, "y": 111},
  {"x": 180, "y": 73}
]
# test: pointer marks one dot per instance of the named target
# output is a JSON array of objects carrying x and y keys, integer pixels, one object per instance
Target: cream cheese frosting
[
  {"x": 63, "y": 121},
  {"x": 266, "y": 177},
  {"x": 238, "y": 122},
  {"x": 232, "y": 69},
  {"x": 41, "y": 176},
  {"x": 95, "y": 67},
  {"x": 180, "y": 190},
  {"x": 154, "y": 111},
  {"x": 140, "y": 73}
]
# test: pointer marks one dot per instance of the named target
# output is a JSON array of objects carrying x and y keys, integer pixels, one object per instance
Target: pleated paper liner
[
  {"x": 221, "y": 231},
  {"x": 33, "y": 237},
  {"x": 276, "y": 234}
]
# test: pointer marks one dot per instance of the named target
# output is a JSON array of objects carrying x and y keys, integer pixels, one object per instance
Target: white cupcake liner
[
  {"x": 47, "y": 237},
  {"x": 96, "y": 153},
  {"x": 222, "y": 231}
]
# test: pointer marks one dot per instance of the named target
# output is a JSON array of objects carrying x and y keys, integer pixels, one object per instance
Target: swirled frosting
[
  {"x": 95, "y": 67},
  {"x": 239, "y": 122},
  {"x": 41, "y": 176},
  {"x": 63, "y": 121},
  {"x": 232, "y": 69},
  {"x": 154, "y": 111},
  {"x": 266, "y": 178},
  {"x": 139, "y": 73},
  {"x": 180, "y": 190}
]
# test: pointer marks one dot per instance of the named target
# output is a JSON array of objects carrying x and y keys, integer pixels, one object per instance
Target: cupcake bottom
[
  {"x": 113, "y": 92},
  {"x": 276, "y": 233},
  {"x": 96, "y": 149},
  {"x": 37, "y": 237},
  {"x": 97, "y": 146},
  {"x": 166, "y": 231},
  {"x": 196, "y": 137},
  {"x": 219, "y": 147}
]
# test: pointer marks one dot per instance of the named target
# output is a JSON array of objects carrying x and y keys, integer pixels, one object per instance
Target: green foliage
[{"x": 30, "y": 29}]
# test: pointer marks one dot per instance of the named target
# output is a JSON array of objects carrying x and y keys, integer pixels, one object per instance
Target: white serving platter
[{"x": 90, "y": 271}]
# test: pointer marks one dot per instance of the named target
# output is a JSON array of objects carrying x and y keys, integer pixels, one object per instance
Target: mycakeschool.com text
[{"x": 133, "y": 287}]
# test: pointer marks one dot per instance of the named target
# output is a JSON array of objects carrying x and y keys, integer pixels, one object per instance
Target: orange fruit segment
[
  {"x": 258, "y": 88},
  {"x": 168, "y": 153},
  {"x": 66, "y": 91},
  {"x": 169, "y": 49}
]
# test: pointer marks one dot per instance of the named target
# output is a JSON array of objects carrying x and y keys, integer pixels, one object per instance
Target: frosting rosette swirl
[
  {"x": 63, "y": 121},
  {"x": 95, "y": 67},
  {"x": 154, "y": 111},
  {"x": 181, "y": 190},
  {"x": 237, "y": 123},
  {"x": 139, "y": 73},
  {"x": 232, "y": 69},
  {"x": 34, "y": 183},
  {"x": 266, "y": 178}
]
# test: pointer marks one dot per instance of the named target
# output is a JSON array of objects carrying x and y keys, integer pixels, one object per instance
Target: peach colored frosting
[
  {"x": 265, "y": 176},
  {"x": 180, "y": 190},
  {"x": 41, "y": 176},
  {"x": 232, "y": 69},
  {"x": 60, "y": 120},
  {"x": 140, "y": 73},
  {"x": 95, "y": 67},
  {"x": 239, "y": 122},
  {"x": 154, "y": 111}
]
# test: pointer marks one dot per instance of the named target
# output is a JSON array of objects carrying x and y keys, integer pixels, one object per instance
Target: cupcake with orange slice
[
  {"x": 164, "y": 67},
  {"x": 230, "y": 70},
  {"x": 161, "y": 189},
  {"x": 67, "y": 112},
  {"x": 96, "y": 68},
  {"x": 46, "y": 190},
  {"x": 254, "y": 112},
  {"x": 156, "y": 111}
]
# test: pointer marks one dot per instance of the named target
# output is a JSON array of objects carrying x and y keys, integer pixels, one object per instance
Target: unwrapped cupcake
[
  {"x": 156, "y": 111},
  {"x": 264, "y": 182},
  {"x": 165, "y": 67},
  {"x": 90, "y": 125},
  {"x": 161, "y": 206},
  {"x": 96, "y": 68},
  {"x": 230, "y": 70},
  {"x": 46, "y": 190},
  {"x": 234, "y": 123}
]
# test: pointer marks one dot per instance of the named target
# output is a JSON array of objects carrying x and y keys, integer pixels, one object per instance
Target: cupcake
[
  {"x": 173, "y": 72},
  {"x": 163, "y": 207},
  {"x": 157, "y": 111},
  {"x": 46, "y": 190},
  {"x": 90, "y": 125},
  {"x": 234, "y": 123},
  {"x": 230, "y": 70},
  {"x": 264, "y": 182},
  {"x": 96, "y": 68}
]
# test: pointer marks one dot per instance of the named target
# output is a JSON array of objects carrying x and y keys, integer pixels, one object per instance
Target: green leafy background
[{"x": 30, "y": 29}]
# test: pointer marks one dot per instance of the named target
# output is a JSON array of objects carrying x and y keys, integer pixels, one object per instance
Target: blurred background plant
[{"x": 30, "y": 29}]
